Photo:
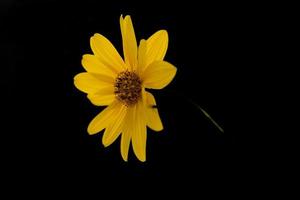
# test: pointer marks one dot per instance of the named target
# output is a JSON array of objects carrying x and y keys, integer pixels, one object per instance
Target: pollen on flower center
[{"x": 128, "y": 87}]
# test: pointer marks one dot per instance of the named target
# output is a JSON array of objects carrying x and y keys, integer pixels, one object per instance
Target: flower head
[{"x": 120, "y": 85}]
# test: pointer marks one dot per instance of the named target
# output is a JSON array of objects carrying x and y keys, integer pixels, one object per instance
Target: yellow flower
[{"x": 120, "y": 85}]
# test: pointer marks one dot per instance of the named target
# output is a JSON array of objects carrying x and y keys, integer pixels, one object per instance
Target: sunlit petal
[{"x": 158, "y": 74}]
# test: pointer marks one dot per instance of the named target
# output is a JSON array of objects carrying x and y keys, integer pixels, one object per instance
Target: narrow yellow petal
[
  {"x": 129, "y": 42},
  {"x": 93, "y": 65},
  {"x": 104, "y": 96},
  {"x": 153, "y": 119},
  {"x": 127, "y": 132},
  {"x": 114, "y": 129},
  {"x": 157, "y": 46},
  {"x": 88, "y": 83},
  {"x": 104, "y": 118},
  {"x": 139, "y": 132},
  {"x": 142, "y": 57},
  {"x": 106, "y": 53},
  {"x": 158, "y": 75}
]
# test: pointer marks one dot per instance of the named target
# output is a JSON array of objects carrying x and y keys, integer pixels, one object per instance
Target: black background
[{"x": 44, "y": 134}]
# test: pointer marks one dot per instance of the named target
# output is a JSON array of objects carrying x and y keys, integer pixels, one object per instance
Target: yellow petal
[
  {"x": 153, "y": 119},
  {"x": 127, "y": 133},
  {"x": 142, "y": 57},
  {"x": 89, "y": 83},
  {"x": 104, "y": 96},
  {"x": 129, "y": 42},
  {"x": 157, "y": 46},
  {"x": 139, "y": 134},
  {"x": 158, "y": 74},
  {"x": 106, "y": 53},
  {"x": 93, "y": 65},
  {"x": 107, "y": 79},
  {"x": 114, "y": 129},
  {"x": 104, "y": 118}
]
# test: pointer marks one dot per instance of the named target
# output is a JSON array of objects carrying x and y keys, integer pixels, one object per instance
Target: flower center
[{"x": 128, "y": 87}]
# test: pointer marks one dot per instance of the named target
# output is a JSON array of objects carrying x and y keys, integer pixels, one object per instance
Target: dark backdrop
[{"x": 44, "y": 134}]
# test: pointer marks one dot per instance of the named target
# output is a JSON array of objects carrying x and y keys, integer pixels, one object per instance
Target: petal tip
[
  {"x": 127, "y": 17},
  {"x": 125, "y": 159},
  {"x": 142, "y": 159},
  {"x": 105, "y": 145},
  {"x": 142, "y": 41},
  {"x": 91, "y": 130},
  {"x": 94, "y": 36},
  {"x": 158, "y": 129},
  {"x": 104, "y": 142},
  {"x": 164, "y": 31}
]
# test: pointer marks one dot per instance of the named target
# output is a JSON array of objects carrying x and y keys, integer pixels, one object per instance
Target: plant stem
[
  {"x": 203, "y": 111},
  {"x": 207, "y": 115}
]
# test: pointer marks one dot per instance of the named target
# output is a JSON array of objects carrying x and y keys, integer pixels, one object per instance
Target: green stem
[
  {"x": 207, "y": 115},
  {"x": 203, "y": 111}
]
